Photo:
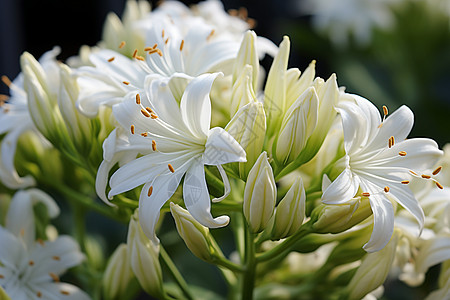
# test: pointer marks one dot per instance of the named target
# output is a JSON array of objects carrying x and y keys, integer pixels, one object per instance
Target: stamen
[
  {"x": 41, "y": 242},
  {"x": 144, "y": 134},
  {"x": 402, "y": 153},
  {"x": 39, "y": 294},
  {"x": 56, "y": 258},
  {"x": 386, "y": 189},
  {"x": 148, "y": 48},
  {"x": 162, "y": 33},
  {"x": 232, "y": 12},
  {"x": 6, "y": 80},
  {"x": 152, "y": 51},
  {"x": 154, "y": 46},
  {"x": 31, "y": 263},
  {"x": 385, "y": 110},
  {"x": 145, "y": 113},
  {"x": 64, "y": 292},
  {"x": 54, "y": 277},
  {"x": 391, "y": 141},
  {"x": 438, "y": 185},
  {"x": 138, "y": 57},
  {"x": 135, "y": 53},
  {"x": 150, "y": 191},
  {"x": 126, "y": 82},
  {"x": 365, "y": 194},
  {"x": 122, "y": 44},
  {"x": 426, "y": 176},
  {"x": 438, "y": 169},
  {"x": 251, "y": 23},
  {"x": 412, "y": 172},
  {"x": 153, "y": 116},
  {"x": 171, "y": 168},
  {"x": 132, "y": 129},
  {"x": 138, "y": 99},
  {"x": 111, "y": 59},
  {"x": 181, "y": 45},
  {"x": 2, "y": 276},
  {"x": 153, "y": 145},
  {"x": 159, "y": 52},
  {"x": 405, "y": 181},
  {"x": 243, "y": 13},
  {"x": 3, "y": 98},
  {"x": 149, "y": 109},
  {"x": 210, "y": 35},
  {"x": 166, "y": 41}
]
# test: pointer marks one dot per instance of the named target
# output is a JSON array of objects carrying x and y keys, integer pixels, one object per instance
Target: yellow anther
[
  {"x": 122, "y": 44},
  {"x": 54, "y": 277},
  {"x": 6, "y": 80},
  {"x": 111, "y": 59},
  {"x": 126, "y": 82},
  {"x": 56, "y": 258},
  {"x": 426, "y": 176},
  {"x": 365, "y": 194},
  {"x": 145, "y": 113},
  {"x": 138, "y": 57},
  {"x": 171, "y": 168},
  {"x": 135, "y": 53},
  {"x": 144, "y": 134},
  {"x": 438, "y": 169},
  {"x": 153, "y": 116},
  {"x": 402, "y": 153},
  {"x": 150, "y": 191},
  {"x": 153, "y": 145},
  {"x": 405, "y": 181},
  {"x": 385, "y": 110},
  {"x": 31, "y": 263},
  {"x": 386, "y": 189},
  {"x": 132, "y": 129},
  {"x": 210, "y": 35},
  {"x": 63, "y": 292},
  {"x": 438, "y": 185},
  {"x": 391, "y": 141},
  {"x": 138, "y": 99},
  {"x": 149, "y": 109}
]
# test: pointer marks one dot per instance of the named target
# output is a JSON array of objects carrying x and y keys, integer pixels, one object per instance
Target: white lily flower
[
  {"x": 30, "y": 269},
  {"x": 379, "y": 160},
  {"x": 173, "y": 140},
  {"x": 15, "y": 120}
]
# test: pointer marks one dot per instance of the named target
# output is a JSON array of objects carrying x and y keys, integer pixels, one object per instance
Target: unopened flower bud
[
  {"x": 297, "y": 82},
  {"x": 290, "y": 212},
  {"x": 242, "y": 92},
  {"x": 195, "y": 235},
  {"x": 373, "y": 270},
  {"x": 118, "y": 274},
  {"x": 275, "y": 89},
  {"x": 298, "y": 124},
  {"x": 247, "y": 56},
  {"x": 259, "y": 194},
  {"x": 248, "y": 127},
  {"x": 143, "y": 257}
]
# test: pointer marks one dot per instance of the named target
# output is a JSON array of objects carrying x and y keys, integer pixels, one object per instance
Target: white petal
[
  {"x": 222, "y": 148},
  {"x": 53, "y": 290},
  {"x": 226, "y": 184},
  {"x": 433, "y": 252},
  {"x": 20, "y": 218},
  {"x": 342, "y": 189},
  {"x": 12, "y": 251},
  {"x": 196, "y": 105},
  {"x": 196, "y": 197}
]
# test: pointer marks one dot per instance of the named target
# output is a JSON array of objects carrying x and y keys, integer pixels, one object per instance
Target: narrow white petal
[
  {"x": 20, "y": 217},
  {"x": 196, "y": 105},
  {"x": 226, "y": 184},
  {"x": 196, "y": 197},
  {"x": 60, "y": 290},
  {"x": 342, "y": 189},
  {"x": 222, "y": 148},
  {"x": 12, "y": 251}
]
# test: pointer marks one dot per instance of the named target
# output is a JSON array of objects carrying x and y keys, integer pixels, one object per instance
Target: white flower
[
  {"x": 15, "y": 119},
  {"x": 378, "y": 160},
  {"x": 344, "y": 17},
  {"x": 29, "y": 268},
  {"x": 173, "y": 140}
]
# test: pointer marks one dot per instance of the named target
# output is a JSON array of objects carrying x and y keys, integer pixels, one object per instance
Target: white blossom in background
[
  {"x": 15, "y": 120},
  {"x": 379, "y": 161},
  {"x": 343, "y": 18},
  {"x": 174, "y": 140},
  {"x": 30, "y": 268}
]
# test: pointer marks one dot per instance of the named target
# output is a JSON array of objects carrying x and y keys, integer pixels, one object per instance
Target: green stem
[
  {"x": 248, "y": 282},
  {"x": 221, "y": 261},
  {"x": 175, "y": 273},
  {"x": 289, "y": 242},
  {"x": 79, "y": 214}
]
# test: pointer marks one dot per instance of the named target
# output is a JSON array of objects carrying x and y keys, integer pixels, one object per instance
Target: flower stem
[
  {"x": 248, "y": 282},
  {"x": 289, "y": 242},
  {"x": 175, "y": 273}
]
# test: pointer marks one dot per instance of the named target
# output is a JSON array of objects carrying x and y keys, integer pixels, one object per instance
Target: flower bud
[
  {"x": 78, "y": 126},
  {"x": 143, "y": 257},
  {"x": 118, "y": 274},
  {"x": 298, "y": 124},
  {"x": 297, "y": 82},
  {"x": 242, "y": 92},
  {"x": 195, "y": 235},
  {"x": 259, "y": 194},
  {"x": 290, "y": 212},
  {"x": 275, "y": 89},
  {"x": 248, "y": 127},
  {"x": 247, "y": 56},
  {"x": 373, "y": 270}
]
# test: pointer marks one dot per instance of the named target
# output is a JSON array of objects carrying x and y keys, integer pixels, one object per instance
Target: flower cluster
[{"x": 173, "y": 112}]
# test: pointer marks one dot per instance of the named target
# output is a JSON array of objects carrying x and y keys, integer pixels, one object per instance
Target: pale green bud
[
  {"x": 335, "y": 218},
  {"x": 275, "y": 89},
  {"x": 373, "y": 270},
  {"x": 248, "y": 127},
  {"x": 298, "y": 124},
  {"x": 117, "y": 275},
  {"x": 42, "y": 102},
  {"x": 78, "y": 126},
  {"x": 259, "y": 194},
  {"x": 290, "y": 212},
  {"x": 143, "y": 257},
  {"x": 195, "y": 235},
  {"x": 328, "y": 95},
  {"x": 247, "y": 56},
  {"x": 297, "y": 82},
  {"x": 242, "y": 92}
]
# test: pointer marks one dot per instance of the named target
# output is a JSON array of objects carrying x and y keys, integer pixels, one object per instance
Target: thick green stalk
[{"x": 248, "y": 282}]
